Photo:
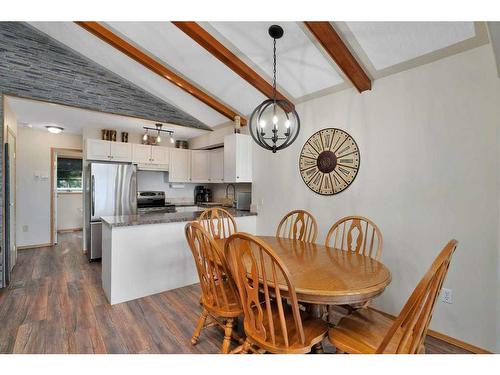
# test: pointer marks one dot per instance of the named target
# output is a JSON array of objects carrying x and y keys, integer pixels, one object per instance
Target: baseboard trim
[
  {"x": 68, "y": 230},
  {"x": 448, "y": 339},
  {"x": 36, "y": 246}
]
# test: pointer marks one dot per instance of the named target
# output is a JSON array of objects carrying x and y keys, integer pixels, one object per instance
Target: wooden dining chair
[
  {"x": 356, "y": 233},
  {"x": 369, "y": 331},
  {"x": 269, "y": 323},
  {"x": 298, "y": 225},
  {"x": 218, "y": 222},
  {"x": 219, "y": 295}
]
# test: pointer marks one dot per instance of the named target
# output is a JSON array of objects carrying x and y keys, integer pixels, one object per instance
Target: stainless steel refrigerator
[{"x": 111, "y": 190}]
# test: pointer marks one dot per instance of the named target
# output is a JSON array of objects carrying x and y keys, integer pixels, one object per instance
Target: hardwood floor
[{"x": 55, "y": 304}]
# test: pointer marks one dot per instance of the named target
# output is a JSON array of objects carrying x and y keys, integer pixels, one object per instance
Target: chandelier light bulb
[
  {"x": 287, "y": 124},
  {"x": 158, "y": 139},
  {"x": 262, "y": 124},
  {"x": 145, "y": 137},
  {"x": 275, "y": 120},
  {"x": 171, "y": 139}
]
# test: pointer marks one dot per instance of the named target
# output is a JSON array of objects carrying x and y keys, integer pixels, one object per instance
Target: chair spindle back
[
  {"x": 218, "y": 222},
  {"x": 356, "y": 233},
  {"x": 298, "y": 225}
]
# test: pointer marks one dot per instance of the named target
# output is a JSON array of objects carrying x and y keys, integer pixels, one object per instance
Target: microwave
[{"x": 243, "y": 201}]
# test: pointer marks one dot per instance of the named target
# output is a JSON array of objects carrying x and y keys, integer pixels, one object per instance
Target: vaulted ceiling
[{"x": 213, "y": 90}]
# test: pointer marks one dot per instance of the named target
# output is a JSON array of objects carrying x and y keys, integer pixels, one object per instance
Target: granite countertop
[{"x": 161, "y": 218}]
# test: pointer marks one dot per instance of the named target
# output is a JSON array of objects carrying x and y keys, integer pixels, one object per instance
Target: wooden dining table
[{"x": 327, "y": 276}]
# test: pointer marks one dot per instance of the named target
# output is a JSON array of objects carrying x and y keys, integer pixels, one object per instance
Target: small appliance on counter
[
  {"x": 202, "y": 194},
  {"x": 243, "y": 200},
  {"x": 153, "y": 202}
]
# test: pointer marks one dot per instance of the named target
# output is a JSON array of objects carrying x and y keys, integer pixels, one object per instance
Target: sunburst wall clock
[{"x": 329, "y": 161}]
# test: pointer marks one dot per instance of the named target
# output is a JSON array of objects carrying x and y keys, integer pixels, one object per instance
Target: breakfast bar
[{"x": 146, "y": 254}]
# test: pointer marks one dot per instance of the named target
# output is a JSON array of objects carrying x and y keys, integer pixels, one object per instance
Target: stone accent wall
[{"x": 35, "y": 66}]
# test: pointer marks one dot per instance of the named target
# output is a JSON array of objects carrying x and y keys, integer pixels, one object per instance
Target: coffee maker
[{"x": 202, "y": 194}]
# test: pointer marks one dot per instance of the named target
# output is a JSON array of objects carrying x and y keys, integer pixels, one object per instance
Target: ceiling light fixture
[
  {"x": 279, "y": 113},
  {"x": 159, "y": 129},
  {"x": 54, "y": 129}
]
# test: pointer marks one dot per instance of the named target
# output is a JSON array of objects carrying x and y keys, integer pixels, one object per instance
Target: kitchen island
[{"x": 146, "y": 254}]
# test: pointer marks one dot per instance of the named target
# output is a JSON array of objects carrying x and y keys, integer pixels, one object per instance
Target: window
[{"x": 69, "y": 174}]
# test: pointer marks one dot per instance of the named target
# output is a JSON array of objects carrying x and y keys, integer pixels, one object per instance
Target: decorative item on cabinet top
[{"x": 329, "y": 161}]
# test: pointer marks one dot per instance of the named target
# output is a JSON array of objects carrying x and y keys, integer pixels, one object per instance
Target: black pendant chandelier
[{"x": 274, "y": 124}]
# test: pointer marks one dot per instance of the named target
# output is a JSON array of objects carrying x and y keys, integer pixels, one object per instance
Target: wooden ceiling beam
[
  {"x": 133, "y": 52},
  {"x": 218, "y": 50},
  {"x": 326, "y": 35}
]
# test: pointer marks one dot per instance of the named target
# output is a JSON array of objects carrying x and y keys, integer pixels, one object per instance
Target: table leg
[{"x": 316, "y": 311}]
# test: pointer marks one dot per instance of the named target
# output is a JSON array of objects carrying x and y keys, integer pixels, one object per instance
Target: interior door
[
  {"x": 54, "y": 198},
  {"x": 11, "y": 140}
]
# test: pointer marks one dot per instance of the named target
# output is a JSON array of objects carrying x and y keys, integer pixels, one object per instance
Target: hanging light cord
[{"x": 274, "y": 71}]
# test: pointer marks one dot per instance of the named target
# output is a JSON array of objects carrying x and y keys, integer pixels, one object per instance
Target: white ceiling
[
  {"x": 40, "y": 114},
  {"x": 176, "y": 49},
  {"x": 391, "y": 43},
  {"x": 304, "y": 69}
]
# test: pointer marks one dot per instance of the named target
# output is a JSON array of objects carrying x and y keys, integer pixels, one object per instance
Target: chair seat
[
  {"x": 362, "y": 332},
  {"x": 232, "y": 310},
  {"x": 314, "y": 332}
]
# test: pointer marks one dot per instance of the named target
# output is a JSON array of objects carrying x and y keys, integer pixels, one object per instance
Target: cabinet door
[
  {"x": 217, "y": 165},
  {"x": 98, "y": 150},
  {"x": 179, "y": 165},
  {"x": 141, "y": 154},
  {"x": 200, "y": 166},
  {"x": 121, "y": 151},
  {"x": 237, "y": 158},
  {"x": 159, "y": 155},
  {"x": 243, "y": 158}
]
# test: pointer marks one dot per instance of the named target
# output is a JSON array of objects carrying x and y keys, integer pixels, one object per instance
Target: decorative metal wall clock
[{"x": 329, "y": 161}]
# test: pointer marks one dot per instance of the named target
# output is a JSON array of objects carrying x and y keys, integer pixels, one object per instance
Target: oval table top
[{"x": 324, "y": 275}]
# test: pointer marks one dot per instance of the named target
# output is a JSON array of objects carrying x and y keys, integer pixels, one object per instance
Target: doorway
[
  {"x": 11, "y": 141},
  {"x": 66, "y": 212}
]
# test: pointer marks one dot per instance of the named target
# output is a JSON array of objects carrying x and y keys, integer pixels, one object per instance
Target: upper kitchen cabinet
[
  {"x": 110, "y": 151},
  {"x": 217, "y": 165},
  {"x": 151, "y": 157},
  {"x": 179, "y": 165},
  {"x": 237, "y": 158},
  {"x": 200, "y": 166}
]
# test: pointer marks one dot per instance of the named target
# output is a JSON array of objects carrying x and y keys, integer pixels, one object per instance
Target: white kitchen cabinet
[
  {"x": 109, "y": 151},
  {"x": 160, "y": 155},
  {"x": 141, "y": 154},
  {"x": 150, "y": 155},
  {"x": 217, "y": 165},
  {"x": 200, "y": 166},
  {"x": 237, "y": 158},
  {"x": 179, "y": 165}
]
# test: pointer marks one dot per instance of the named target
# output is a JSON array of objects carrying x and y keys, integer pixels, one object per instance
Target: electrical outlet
[
  {"x": 446, "y": 295},
  {"x": 25, "y": 228}
]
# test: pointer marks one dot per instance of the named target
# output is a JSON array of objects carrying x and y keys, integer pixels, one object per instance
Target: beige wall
[
  {"x": 33, "y": 182},
  {"x": 429, "y": 172}
]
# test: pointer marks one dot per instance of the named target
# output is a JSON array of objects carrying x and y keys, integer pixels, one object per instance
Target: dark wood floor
[{"x": 55, "y": 304}]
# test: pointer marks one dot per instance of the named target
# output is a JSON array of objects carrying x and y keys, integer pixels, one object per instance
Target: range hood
[{"x": 152, "y": 167}]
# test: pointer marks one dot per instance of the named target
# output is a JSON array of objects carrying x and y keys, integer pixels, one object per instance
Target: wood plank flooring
[{"x": 55, "y": 304}]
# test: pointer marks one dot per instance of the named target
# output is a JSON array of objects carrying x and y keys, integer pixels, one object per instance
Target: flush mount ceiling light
[
  {"x": 158, "y": 130},
  {"x": 277, "y": 115},
  {"x": 54, "y": 129}
]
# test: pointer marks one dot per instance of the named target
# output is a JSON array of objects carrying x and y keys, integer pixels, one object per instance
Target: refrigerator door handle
[{"x": 92, "y": 188}]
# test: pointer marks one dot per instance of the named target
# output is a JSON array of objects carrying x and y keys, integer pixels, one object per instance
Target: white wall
[
  {"x": 428, "y": 173},
  {"x": 33, "y": 193},
  {"x": 69, "y": 211}
]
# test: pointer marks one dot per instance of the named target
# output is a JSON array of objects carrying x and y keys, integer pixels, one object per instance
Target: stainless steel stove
[{"x": 153, "y": 202}]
